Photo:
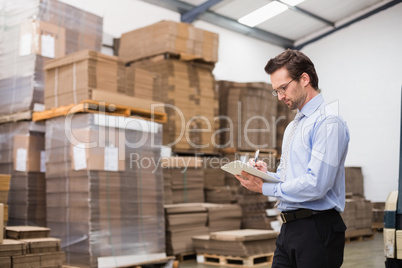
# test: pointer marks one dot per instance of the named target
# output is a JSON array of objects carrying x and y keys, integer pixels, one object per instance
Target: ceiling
[{"x": 296, "y": 27}]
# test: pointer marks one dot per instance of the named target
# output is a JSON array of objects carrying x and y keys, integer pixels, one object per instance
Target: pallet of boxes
[
  {"x": 36, "y": 32},
  {"x": 101, "y": 201},
  {"x": 358, "y": 213}
]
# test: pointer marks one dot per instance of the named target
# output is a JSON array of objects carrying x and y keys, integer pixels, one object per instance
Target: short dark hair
[{"x": 296, "y": 63}]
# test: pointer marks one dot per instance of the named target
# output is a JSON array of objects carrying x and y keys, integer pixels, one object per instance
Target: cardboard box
[
  {"x": 42, "y": 38},
  {"x": 189, "y": 92},
  {"x": 354, "y": 183},
  {"x": 11, "y": 247},
  {"x": 77, "y": 73},
  {"x": 94, "y": 150},
  {"x": 4, "y": 188},
  {"x": 168, "y": 36},
  {"x": 29, "y": 153},
  {"x": 41, "y": 245},
  {"x": 252, "y": 111},
  {"x": 24, "y": 232},
  {"x": 141, "y": 83}
]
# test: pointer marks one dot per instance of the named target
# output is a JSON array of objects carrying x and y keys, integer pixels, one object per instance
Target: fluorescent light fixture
[
  {"x": 262, "y": 14},
  {"x": 292, "y": 2}
]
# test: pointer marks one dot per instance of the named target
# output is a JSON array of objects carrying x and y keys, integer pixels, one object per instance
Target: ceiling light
[
  {"x": 262, "y": 14},
  {"x": 292, "y": 2}
]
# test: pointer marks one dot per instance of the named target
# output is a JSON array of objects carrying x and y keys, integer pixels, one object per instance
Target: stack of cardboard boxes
[
  {"x": 187, "y": 87},
  {"x": 73, "y": 78},
  {"x": 251, "y": 112},
  {"x": 358, "y": 213},
  {"x": 22, "y": 147},
  {"x": 239, "y": 243},
  {"x": 30, "y": 246},
  {"x": 186, "y": 179},
  {"x": 182, "y": 222},
  {"x": 253, "y": 205},
  {"x": 168, "y": 36},
  {"x": 99, "y": 202}
]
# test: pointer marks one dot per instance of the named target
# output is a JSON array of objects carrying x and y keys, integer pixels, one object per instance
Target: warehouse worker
[{"x": 311, "y": 193}]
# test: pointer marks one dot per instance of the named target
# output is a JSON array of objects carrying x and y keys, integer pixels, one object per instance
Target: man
[{"x": 311, "y": 193}]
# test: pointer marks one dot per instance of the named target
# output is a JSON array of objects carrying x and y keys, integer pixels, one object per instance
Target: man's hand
[
  {"x": 260, "y": 165},
  {"x": 250, "y": 182}
]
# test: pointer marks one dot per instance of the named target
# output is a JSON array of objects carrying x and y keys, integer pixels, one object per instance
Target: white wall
[{"x": 359, "y": 66}]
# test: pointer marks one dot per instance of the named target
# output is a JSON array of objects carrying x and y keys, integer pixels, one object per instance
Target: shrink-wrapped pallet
[
  {"x": 105, "y": 195},
  {"x": 36, "y": 31}
]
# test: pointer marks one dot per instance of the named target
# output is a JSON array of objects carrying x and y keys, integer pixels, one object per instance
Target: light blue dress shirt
[{"x": 315, "y": 176}]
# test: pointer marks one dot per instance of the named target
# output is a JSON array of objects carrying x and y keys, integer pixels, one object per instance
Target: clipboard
[{"x": 236, "y": 167}]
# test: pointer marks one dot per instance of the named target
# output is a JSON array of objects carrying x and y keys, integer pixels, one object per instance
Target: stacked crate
[
  {"x": 101, "y": 201},
  {"x": 183, "y": 56}
]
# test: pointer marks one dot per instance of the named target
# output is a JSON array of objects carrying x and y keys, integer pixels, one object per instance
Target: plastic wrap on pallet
[
  {"x": 33, "y": 31},
  {"x": 27, "y": 198},
  {"x": 97, "y": 208}
]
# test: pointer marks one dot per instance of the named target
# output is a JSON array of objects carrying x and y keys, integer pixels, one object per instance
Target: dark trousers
[{"x": 314, "y": 242}]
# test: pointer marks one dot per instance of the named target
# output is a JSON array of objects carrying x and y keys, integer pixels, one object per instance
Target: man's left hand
[{"x": 250, "y": 182}]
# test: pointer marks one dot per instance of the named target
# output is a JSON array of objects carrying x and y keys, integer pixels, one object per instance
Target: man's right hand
[{"x": 260, "y": 165}]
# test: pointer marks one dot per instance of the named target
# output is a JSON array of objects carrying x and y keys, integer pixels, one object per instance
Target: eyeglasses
[{"x": 281, "y": 90}]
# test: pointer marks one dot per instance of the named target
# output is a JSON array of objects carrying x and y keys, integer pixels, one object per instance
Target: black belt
[{"x": 288, "y": 216}]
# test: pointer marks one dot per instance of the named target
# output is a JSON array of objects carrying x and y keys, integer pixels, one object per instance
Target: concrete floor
[{"x": 358, "y": 254}]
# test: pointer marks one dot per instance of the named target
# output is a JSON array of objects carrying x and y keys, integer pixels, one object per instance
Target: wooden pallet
[
  {"x": 235, "y": 261},
  {"x": 377, "y": 226},
  {"x": 175, "y": 56},
  {"x": 91, "y": 106},
  {"x": 359, "y": 235},
  {"x": 161, "y": 263},
  {"x": 21, "y": 116},
  {"x": 186, "y": 256},
  {"x": 233, "y": 150}
]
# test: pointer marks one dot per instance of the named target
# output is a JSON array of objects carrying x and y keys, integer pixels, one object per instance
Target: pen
[{"x": 256, "y": 156}]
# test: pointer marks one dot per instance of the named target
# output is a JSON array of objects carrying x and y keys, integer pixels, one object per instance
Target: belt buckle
[{"x": 283, "y": 218}]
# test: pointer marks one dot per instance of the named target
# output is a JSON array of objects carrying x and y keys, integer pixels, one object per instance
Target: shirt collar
[{"x": 310, "y": 107}]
